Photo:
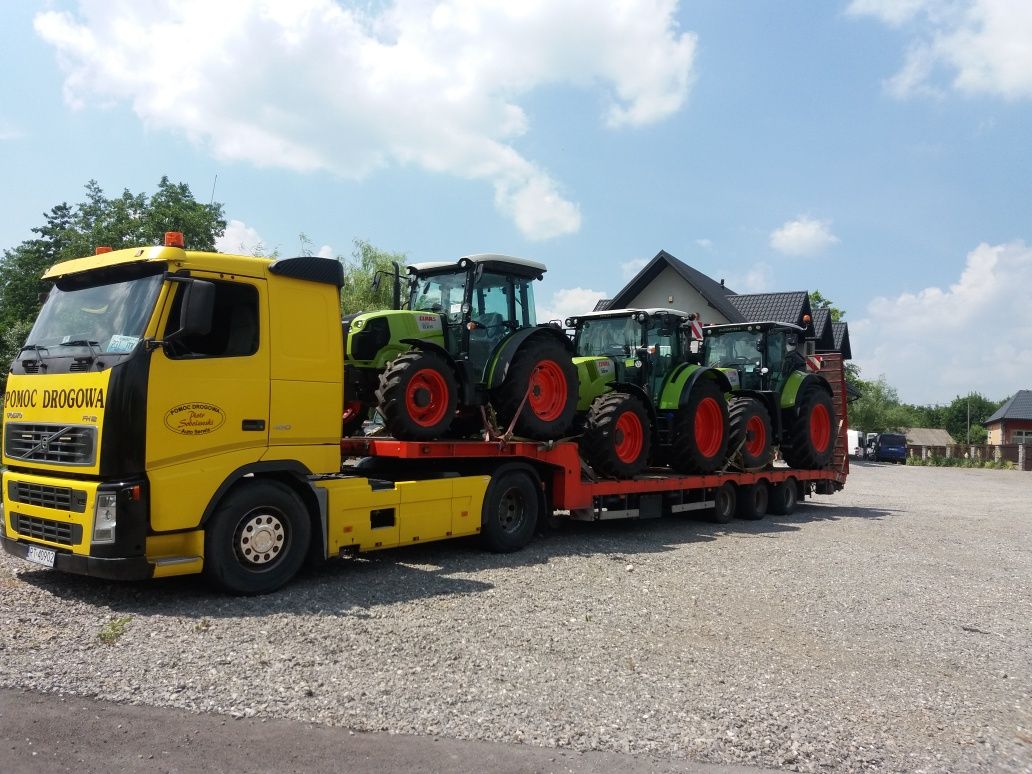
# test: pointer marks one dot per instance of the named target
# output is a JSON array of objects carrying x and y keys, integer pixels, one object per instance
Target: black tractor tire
[
  {"x": 751, "y": 433},
  {"x": 417, "y": 396},
  {"x": 725, "y": 503},
  {"x": 811, "y": 431},
  {"x": 543, "y": 372},
  {"x": 257, "y": 539},
  {"x": 784, "y": 498},
  {"x": 617, "y": 437},
  {"x": 700, "y": 439},
  {"x": 512, "y": 507},
  {"x": 753, "y": 500}
]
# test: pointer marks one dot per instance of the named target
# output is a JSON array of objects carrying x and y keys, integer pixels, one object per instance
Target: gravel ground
[{"x": 886, "y": 627}]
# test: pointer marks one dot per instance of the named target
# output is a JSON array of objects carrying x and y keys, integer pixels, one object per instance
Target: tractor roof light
[
  {"x": 101, "y": 249},
  {"x": 174, "y": 239}
]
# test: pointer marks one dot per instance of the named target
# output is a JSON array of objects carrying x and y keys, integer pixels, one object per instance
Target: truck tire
[
  {"x": 511, "y": 511},
  {"x": 701, "y": 431},
  {"x": 811, "y": 433},
  {"x": 257, "y": 539},
  {"x": 784, "y": 498},
  {"x": 752, "y": 501},
  {"x": 543, "y": 372},
  {"x": 617, "y": 437},
  {"x": 725, "y": 500},
  {"x": 750, "y": 433},
  {"x": 417, "y": 396}
]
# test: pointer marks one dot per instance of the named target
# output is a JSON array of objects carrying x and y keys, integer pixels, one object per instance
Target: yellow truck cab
[{"x": 174, "y": 411}]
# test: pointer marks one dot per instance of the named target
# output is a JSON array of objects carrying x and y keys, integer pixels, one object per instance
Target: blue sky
[{"x": 876, "y": 150}]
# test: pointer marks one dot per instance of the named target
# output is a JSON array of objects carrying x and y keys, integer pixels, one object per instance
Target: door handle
[{"x": 253, "y": 424}]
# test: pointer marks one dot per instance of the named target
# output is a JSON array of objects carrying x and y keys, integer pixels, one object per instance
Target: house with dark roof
[
  {"x": 840, "y": 330},
  {"x": 1012, "y": 422},
  {"x": 667, "y": 283},
  {"x": 824, "y": 338},
  {"x": 789, "y": 307}
]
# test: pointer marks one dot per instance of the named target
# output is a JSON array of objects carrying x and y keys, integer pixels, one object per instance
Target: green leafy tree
[
  {"x": 74, "y": 231},
  {"x": 955, "y": 417},
  {"x": 818, "y": 301},
  {"x": 358, "y": 294}
]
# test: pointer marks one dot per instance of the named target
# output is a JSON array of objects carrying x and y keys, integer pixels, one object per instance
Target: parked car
[{"x": 890, "y": 447}]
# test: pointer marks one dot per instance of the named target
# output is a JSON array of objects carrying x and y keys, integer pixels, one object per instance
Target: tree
[
  {"x": 358, "y": 294},
  {"x": 955, "y": 417},
  {"x": 818, "y": 301},
  {"x": 74, "y": 231}
]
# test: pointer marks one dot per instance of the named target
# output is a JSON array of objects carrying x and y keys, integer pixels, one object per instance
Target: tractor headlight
[{"x": 105, "y": 517}]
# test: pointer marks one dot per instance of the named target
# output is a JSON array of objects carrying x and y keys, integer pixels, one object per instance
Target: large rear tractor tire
[
  {"x": 701, "y": 431},
  {"x": 257, "y": 539},
  {"x": 417, "y": 396},
  {"x": 811, "y": 436},
  {"x": 542, "y": 372},
  {"x": 617, "y": 438},
  {"x": 750, "y": 433}
]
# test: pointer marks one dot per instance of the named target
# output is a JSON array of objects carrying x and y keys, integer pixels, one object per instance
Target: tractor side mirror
[
  {"x": 810, "y": 348},
  {"x": 376, "y": 282}
]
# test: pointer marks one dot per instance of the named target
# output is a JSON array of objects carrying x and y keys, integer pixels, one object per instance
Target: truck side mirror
[{"x": 197, "y": 311}]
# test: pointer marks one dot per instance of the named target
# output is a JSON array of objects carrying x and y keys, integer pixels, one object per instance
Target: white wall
[{"x": 685, "y": 298}]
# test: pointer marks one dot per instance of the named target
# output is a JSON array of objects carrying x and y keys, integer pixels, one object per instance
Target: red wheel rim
[
  {"x": 820, "y": 427},
  {"x": 351, "y": 409},
  {"x": 629, "y": 437},
  {"x": 755, "y": 437},
  {"x": 426, "y": 397},
  {"x": 547, "y": 389},
  {"x": 709, "y": 427}
]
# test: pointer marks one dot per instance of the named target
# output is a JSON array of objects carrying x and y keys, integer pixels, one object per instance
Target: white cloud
[
  {"x": 705, "y": 244},
  {"x": 9, "y": 131},
  {"x": 325, "y": 252},
  {"x": 803, "y": 236},
  {"x": 568, "y": 301},
  {"x": 352, "y": 87},
  {"x": 972, "y": 46},
  {"x": 239, "y": 238},
  {"x": 758, "y": 278},
  {"x": 629, "y": 268},
  {"x": 975, "y": 335}
]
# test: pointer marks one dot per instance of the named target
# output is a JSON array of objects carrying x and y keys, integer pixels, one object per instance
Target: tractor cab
[
  {"x": 477, "y": 301},
  {"x": 642, "y": 346},
  {"x": 760, "y": 355}
]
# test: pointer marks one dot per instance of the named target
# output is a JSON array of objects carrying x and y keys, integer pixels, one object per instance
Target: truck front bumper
[{"x": 129, "y": 568}]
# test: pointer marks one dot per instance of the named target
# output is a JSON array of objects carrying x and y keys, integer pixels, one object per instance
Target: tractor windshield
[
  {"x": 608, "y": 336},
  {"x": 734, "y": 348},
  {"x": 441, "y": 293}
]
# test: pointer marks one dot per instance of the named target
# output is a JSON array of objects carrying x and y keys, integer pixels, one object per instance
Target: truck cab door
[{"x": 208, "y": 399}]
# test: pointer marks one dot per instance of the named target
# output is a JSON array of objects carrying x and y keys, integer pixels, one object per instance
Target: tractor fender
[
  {"x": 430, "y": 346},
  {"x": 681, "y": 382},
  {"x": 498, "y": 364},
  {"x": 795, "y": 383},
  {"x": 639, "y": 393}
]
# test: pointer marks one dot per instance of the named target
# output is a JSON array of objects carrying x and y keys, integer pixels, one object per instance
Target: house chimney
[{"x": 721, "y": 282}]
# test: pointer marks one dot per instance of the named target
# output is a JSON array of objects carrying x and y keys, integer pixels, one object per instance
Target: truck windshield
[
  {"x": 612, "y": 336},
  {"x": 440, "y": 293},
  {"x": 104, "y": 311}
]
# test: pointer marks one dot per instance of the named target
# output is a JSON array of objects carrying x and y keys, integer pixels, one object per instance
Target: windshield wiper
[
  {"x": 39, "y": 349},
  {"x": 93, "y": 345}
]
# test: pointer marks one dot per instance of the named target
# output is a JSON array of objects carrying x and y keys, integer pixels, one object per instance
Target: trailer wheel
[
  {"x": 750, "y": 432},
  {"x": 541, "y": 386},
  {"x": 811, "y": 435},
  {"x": 784, "y": 497},
  {"x": 417, "y": 396},
  {"x": 752, "y": 501},
  {"x": 257, "y": 539},
  {"x": 701, "y": 430},
  {"x": 724, "y": 503},
  {"x": 617, "y": 438},
  {"x": 511, "y": 510}
]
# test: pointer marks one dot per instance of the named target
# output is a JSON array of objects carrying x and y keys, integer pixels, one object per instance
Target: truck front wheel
[{"x": 257, "y": 539}]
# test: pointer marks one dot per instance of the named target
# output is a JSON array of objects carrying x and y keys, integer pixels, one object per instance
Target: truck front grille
[
  {"x": 47, "y": 529},
  {"x": 60, "y": 498},
  {"x": 59, "y": 444}
]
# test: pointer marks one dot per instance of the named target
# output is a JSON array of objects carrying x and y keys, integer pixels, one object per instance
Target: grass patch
[{"x": 110, "y": 632}]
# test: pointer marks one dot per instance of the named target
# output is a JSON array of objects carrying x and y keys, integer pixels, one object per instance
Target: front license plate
[{"x": 42, "y": 556}]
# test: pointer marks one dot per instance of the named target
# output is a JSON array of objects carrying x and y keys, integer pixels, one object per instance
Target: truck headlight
[{"x": 105, "y": 517}]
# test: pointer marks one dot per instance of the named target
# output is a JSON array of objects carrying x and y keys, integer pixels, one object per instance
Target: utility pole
[{"x": 969, "y": 420}]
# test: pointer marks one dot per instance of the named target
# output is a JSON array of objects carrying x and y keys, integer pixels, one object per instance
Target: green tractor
[
  {"x": 775, "y": 400},
  {"x": 642, "y": 398},
  {"x": 464, "y": 337}
]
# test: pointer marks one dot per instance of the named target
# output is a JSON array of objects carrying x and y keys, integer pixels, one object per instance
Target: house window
[{"x": 1021, "y": 436}]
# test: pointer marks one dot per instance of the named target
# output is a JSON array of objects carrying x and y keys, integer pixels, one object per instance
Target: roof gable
[
  {"x": 822, "y": 330},
  {"x": 715, "y": 294},
  {"x": 840, "y": 330},
  {"x": 1018, "y": 407},
  {"x": 788, "y": 307}
]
